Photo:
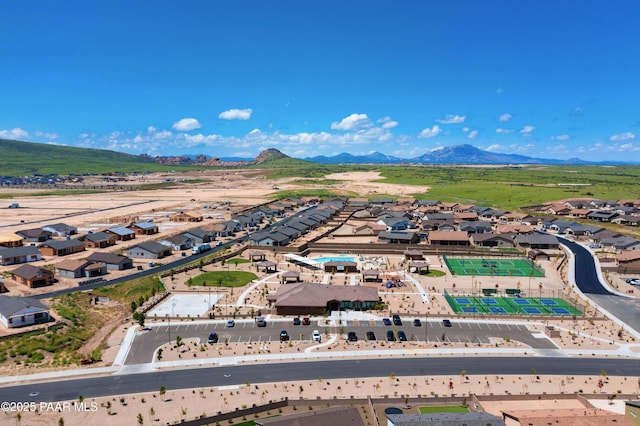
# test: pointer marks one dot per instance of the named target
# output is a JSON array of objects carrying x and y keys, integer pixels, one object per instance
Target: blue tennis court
[
  {"x": 531, "y": 310},
  {"x": 548, "y": 302},
  {"x": 471, "y": 309},
  {"x": 489, "y": 301},
  {"x": 561, "y": 311},
  {"x": 497, "y": 310},
  {"x": 463, "y": 301},
  {"x": 521, "y": 302}
]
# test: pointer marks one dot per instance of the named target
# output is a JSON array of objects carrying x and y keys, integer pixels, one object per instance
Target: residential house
[
  {"x": 71, "y": 268},
  {"x": 98, "y": 240},
  {"x": 113, "y": 261},
  {"x": 396, "y": 223},
  {"x": 493, "y": 240},
  {"x": 628, "y": 261},
  {"x": 10, "y": 240},
  {"x": 178, "y": 242},
  {"x": 381, "y": 201},
  {"x": 399, "y": 237},
  {"x": 61, "y": 229},
  {"x": 22, "y": 311},
  {"x": 449, "y": 238},
  {"x": 149, "y": 250},
  {"x": 35, "y": 235},
  {"x": 120, "y": 233},
  {"x": 602, "y": 215},
  {"x": 492, "y": 215},
  {"x": 475, "y": 227},
  {"x": 513, "y": 218},
  {"x": 182, "y": 216},
  {"x": 537, "y": 241},
  {"x": 61, "y": 248},
  {"x": 268, "y": 239},
  {"x": 144, "y": 228},
  {"x": 11, "y": 256},
  {"x": 32, "y": 276},
  {"x": 466, "y": 216},
  {"x": 626, "y": 220},
  {"x": 200, "y": 236},
  {"x": 621, "y": 242}
]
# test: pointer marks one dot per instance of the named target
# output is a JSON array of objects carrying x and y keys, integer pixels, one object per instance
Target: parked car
[
  {"x": 371, "y": 335},
  {"x": 213, "y": 338},
  {"x": 296, "y": 321},
  {"x": 284, "y": 336},
  {"x": 317, "y": 337},
  {"x": 386, "y": 321},
  {"x": 261, "y": 322},
  {"x": 231, "y": 323},
  {"x": 417, "y": 322},
  {"x": 446, "y": 323},
  {"x": 390, "y": 336},
  {"x": 352, "y": 336},
  {"x": 397, "y": 320},
  {"x": 306, "y": 321},
  {"x": 401, "y": 336},
  {"x": 633, "y": 281}
]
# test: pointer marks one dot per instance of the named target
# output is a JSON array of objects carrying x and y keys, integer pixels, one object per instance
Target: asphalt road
[
  {"x": 624, "y": 308},
  {"x": 146, "y": 342},
  {"x": 283, "y": 372}
]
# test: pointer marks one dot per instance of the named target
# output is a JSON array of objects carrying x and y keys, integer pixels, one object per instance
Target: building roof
[
  {"x": 448, "y": 236},
  {"x": 120, "y": 230},
  {"x": 10, "y": 305},
  {"x": 59, "y": 227},
  {"x": 98, "y": 236},
  {"x": 152, "y": 247},
  {"x": 29, "y": 272},
  {"x": 537, "y": 239},
  {"x": 9, "y": 238},
  {"x": 568, "y": 417},
  {"x": 72, "y": 264},
  {"x": 144, "y": 225},
  {"x": 108, "y": 258},
  {"x": 62, "y": 244},
  {"x": 18, "y": 251},
  {"x": 318, "y": 295},
  {"x": 33, "y": 233},
  {"x": 474, "y": 418}
]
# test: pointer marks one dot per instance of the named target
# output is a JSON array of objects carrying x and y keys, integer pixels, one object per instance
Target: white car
[{"x": 317, "y": 337}]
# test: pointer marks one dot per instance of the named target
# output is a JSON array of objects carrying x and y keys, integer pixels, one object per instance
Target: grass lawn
[
  {"x": 443, "y": 409},
  {"x": 222, "y": 279},
  {"x": 434, "y": 274}
]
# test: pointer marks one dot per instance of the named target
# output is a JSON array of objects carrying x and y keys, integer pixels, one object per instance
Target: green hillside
[{"x": 27, "y": 158}]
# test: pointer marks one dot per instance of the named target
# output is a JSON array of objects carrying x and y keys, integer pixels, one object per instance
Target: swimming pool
[{"x": 334, "y": 259}]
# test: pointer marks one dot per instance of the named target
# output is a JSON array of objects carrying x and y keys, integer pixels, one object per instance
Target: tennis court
[
  {"x": 514, "y": 267},
  {"x": 510, "y": 305}
]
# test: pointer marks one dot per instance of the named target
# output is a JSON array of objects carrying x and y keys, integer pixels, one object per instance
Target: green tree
[
  {"x": 140, "y": 419},
  {"x": 134, "y": 306},
  {"x": 163, "y": 391}
]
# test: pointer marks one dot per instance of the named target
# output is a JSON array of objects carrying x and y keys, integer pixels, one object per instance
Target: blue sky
[{"x": 550, "y": 79}]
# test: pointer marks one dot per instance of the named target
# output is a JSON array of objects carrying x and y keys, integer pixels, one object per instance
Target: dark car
[
  {"x": 386, "y": 321},
  {"x": 296, "y": 321},
  {"x": 397, "y": 320},
  {"x": 284, "y": 336},
  {"x": 390, "y": 336},
  {"x": 352, "y": 336},
  {"x": 371, "y": 335},
  {"x": 417, "y": 322},
  {"x": 213, "y": 338},
  {"x": 306, "y": 321},
  {"x": 401, "y": 336},
  {"x": 446, "y": 323}
]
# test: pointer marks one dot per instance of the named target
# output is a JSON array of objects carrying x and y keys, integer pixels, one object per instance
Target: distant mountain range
[{"x": 458, "y": 154}]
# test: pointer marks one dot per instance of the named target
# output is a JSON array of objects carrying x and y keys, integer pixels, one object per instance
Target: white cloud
[
  {"x": 452, "y": 119},
  {"x": 186, "y": 124},
  {"x": 499, "y": 91},
  {"x": 45, "y": 135},
  {"x": 465, "y": 129},
  {"x": 351, "y": 122},
  {"x": 526, "y": 130},
  {"x": 387, "y": 123},
  {"x": 560, "y": 138},
  {"x": 15, "y": 133},
  {"x": 499, "y": 130},
  {"x": 236, "y": 114},
  {"x": 494, "y": 148},
  {"x": 505, "y": 117},
  {"x": 430, "y": 132},
  {"x": 473, "y": 134},
  {"x": 622, "y": 137}
]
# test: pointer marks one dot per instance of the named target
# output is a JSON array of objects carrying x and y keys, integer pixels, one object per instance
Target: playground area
[
  {"x": 513, "y": 267},
  {"x": 510, "y": 305}
]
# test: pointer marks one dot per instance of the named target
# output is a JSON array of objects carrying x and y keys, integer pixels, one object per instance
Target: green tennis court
[
  {"x": 510, "y": 267},
  {"x": 510, "y": 305}
]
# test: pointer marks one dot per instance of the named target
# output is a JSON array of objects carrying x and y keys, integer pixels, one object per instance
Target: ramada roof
[
  {"x": 318, "y": 295},
  {"x": 448, "y": 236}
]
